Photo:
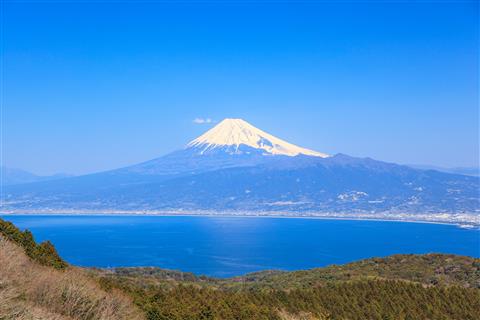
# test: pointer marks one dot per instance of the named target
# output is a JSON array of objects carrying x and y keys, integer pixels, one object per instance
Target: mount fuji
[
  {"x": 231, "y": 143},
  {"x": 237, "y": 168},
  {"x": 236, "y": 136}
]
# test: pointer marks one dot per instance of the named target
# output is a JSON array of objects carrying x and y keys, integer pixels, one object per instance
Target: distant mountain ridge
[
  {"x": 235, "y": 167},
  {"x": 468, "y": 171},
  {"x": 11, "y": 176}
]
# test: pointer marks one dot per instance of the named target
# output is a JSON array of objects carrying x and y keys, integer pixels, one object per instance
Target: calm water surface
[{"x": 227, "y": 246}]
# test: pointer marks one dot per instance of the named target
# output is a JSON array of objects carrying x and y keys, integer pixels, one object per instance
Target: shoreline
[{"x": 406, "y": 219}]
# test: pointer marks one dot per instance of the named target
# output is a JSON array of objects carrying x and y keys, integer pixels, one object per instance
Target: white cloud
[{"x": 202, "y": 120}]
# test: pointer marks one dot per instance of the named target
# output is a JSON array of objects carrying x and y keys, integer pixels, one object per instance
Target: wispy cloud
[{"x": 203, "y": 120}]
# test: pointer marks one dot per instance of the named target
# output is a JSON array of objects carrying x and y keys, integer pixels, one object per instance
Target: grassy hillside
[{"x": 37, "y": 284}]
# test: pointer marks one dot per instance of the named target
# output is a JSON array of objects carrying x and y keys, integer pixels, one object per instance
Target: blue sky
[{"x": 93, "y": 86}]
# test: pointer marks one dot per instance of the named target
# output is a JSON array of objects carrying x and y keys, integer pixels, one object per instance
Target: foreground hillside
[
  {"x": 35, "y": 283},
  {"x": 398, "y": 287}
]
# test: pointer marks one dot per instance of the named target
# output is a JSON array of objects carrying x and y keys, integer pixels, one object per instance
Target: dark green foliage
[
  {"x": 44, "y": 253},
  {"x": 400, "y": 287},
  {"x": 369, "y": 299}
]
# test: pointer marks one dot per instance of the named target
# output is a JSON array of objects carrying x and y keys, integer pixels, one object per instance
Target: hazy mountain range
[
  {"x": 236, "y": 167},
  {"x": 468, "y": 171},
  {"x": 11, "y": 176}
]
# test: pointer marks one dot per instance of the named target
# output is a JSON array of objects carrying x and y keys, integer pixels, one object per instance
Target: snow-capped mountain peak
[{"x": 235, "y": 133}]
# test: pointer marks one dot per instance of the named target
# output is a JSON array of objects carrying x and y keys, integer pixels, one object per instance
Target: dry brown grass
[{"x": 30, "y": 291}]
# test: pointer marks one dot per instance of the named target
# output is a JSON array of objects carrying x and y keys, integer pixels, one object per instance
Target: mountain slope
[{"x": 337, "y": 184}]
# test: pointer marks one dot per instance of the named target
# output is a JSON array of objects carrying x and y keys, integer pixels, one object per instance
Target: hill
[
  {"x": 398, "y": 287},
  {"x": 427, "y": 269}
]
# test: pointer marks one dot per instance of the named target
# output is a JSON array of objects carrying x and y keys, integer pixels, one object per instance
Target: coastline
[{"x": 465, "y": 221}]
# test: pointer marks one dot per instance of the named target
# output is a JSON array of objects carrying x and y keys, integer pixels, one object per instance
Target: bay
[{"x": 229, "y": 246}]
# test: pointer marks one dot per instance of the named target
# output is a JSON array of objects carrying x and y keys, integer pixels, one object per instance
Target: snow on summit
[{"x": 233, "y": 133}]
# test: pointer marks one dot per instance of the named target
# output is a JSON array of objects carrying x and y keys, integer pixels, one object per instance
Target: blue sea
[{"x": 229, "y": 246}]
